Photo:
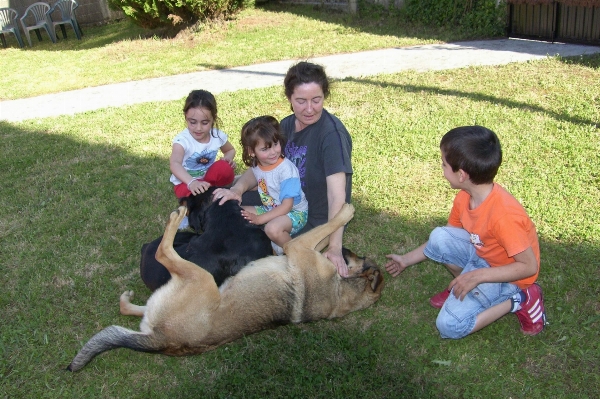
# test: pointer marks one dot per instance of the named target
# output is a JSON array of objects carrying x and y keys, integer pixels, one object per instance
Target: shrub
[
  {"x": 474, "y": 17},
  {"x": 151, "y": 14}
]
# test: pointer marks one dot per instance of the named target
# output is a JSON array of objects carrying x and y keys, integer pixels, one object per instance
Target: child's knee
[
  {"x": 437, "y": 236},
  {"x": 445, "y": 235},
  {"x": 449, "y": 245},
  {"x": 437, "y": 245},
  {"x": 275, "y": 231},
  {"x": 271, "y": 230},
  {"x": 451, "y": 327}
]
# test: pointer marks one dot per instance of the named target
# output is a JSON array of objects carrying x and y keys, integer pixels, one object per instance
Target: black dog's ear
[{"x": 197, "y": 206}]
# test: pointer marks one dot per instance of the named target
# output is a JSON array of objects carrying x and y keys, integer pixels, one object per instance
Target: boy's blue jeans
[{"x": 451, "y": 245}]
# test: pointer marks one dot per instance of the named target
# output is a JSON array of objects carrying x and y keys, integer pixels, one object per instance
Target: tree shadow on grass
[
  {"x": 589, "y": 61},
  {"x": 480, "y": 97}
]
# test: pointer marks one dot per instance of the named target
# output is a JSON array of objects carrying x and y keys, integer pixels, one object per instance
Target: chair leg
[
  {"x": 38, "y": 34},
  {"x": 28, "y": 35},
  {"x": 52, "y": 37},
  {"x": 3, "y": 40},
  {"x": 78, "y": 32},
  {"x": 78, "y": 28},
  {"x": 64, "y": 31},
  {"x": 19, "y": 39}
]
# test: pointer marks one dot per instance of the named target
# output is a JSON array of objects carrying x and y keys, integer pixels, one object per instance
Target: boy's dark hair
[
  {"x": 202, "y": 99},
  {"x": 263, "y": 127},
  {"x": 474, "y": 149},
  {"x": 305, "y": 72}
]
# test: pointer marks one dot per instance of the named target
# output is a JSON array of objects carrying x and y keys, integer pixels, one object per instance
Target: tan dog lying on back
[{"x": 191, "y": 315}]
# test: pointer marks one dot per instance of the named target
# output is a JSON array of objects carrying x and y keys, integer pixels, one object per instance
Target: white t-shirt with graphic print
[
  {"x": 278, "y": 182},
  {"x": 198, "y": 157}
]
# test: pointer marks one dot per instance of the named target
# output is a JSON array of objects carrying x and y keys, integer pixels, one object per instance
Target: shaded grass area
[
  {"x": 121, "y": 52},
  {"x": 81, "y": 194}
]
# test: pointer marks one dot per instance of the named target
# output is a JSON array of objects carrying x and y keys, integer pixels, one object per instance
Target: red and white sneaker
[
  {"x": 437, "y": 301},
  {"x": 532, "y": 315}
]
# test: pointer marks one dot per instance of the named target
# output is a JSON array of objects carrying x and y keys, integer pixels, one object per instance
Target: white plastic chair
[
  {"x": 66, "y": 15},
  {"x": 38, "y": 12},
  {"x": 8, "y": 24}
]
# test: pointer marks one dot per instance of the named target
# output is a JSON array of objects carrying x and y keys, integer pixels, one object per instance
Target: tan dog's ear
[{"x": 375, "y": 278}]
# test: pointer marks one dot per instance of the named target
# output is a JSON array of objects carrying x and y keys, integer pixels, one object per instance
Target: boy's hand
[
  {"x": 463, "y": 284},
  {"x": 396, "y": 265}
]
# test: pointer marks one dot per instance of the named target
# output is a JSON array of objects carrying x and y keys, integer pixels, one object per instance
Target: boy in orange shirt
[{"x": 490, "y": 244}]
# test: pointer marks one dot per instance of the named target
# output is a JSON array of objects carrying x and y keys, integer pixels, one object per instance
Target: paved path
[{"x": 418, "y": 58}]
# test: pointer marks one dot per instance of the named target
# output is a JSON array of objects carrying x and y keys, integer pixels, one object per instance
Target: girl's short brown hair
[{"x": 265, "y": 128}]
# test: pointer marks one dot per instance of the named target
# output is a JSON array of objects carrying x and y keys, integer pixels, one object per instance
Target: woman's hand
[
  {"x": 335, "y": 256},
  {"x": 224, "y": 195}
]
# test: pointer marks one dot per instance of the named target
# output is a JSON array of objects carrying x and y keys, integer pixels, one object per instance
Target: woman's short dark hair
[
  {"x": 474, "y": 149},
  {"x": 305, "y": 72}
]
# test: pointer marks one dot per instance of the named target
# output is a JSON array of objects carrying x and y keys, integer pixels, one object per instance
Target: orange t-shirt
[{"x": 500, "y": 228}]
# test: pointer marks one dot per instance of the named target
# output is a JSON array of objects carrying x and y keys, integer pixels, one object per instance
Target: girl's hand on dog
[
  {"x": 251, "y": 217},
  {"x": 224, "y": 195},
  {"x": 198, "y": 186}
]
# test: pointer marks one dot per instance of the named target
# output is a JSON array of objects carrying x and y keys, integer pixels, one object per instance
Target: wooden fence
[{"x": 576, "y": 21}]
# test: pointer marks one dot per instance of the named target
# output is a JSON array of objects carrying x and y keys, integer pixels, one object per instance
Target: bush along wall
[
  {"x": 478, "y": 18},
  {"x": 152, "y": 14}
]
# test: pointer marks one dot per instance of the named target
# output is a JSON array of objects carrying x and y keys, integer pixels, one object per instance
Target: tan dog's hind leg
[
  {"x": 165, "y": 253},
  {"x": 182, "y": 270},
  {"x": 129, "y": 309},
  {"x": 320, "y": 234}
]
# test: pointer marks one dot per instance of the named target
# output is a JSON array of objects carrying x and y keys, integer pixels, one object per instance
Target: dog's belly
[{"x": 264, "y": 294}]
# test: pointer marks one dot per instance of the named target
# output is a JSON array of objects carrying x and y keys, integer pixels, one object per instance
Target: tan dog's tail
[{"x": 111, "y": 338}]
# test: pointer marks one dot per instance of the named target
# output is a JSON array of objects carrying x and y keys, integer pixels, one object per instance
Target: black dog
[{"x": 222, "y": 243}]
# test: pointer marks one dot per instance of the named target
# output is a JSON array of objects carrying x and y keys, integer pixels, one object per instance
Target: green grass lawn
[
  {"x": 81, "y": 194},
  {"x": 122, "y": 52}
]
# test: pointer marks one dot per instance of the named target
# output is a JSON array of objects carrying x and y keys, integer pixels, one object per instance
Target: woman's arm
[{"x": 336, "y": 198}]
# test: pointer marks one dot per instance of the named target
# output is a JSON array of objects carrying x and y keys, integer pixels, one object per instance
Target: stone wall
[{"x": 89, "y": 11}]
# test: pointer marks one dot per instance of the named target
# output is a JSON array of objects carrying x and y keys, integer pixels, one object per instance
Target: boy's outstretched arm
[
  {"x": 398, "y": 263},
  {"x": 525, "y": 265}
]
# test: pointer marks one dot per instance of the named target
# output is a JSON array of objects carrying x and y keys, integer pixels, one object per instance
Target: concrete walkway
[{"x": 418, "y": 58}]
